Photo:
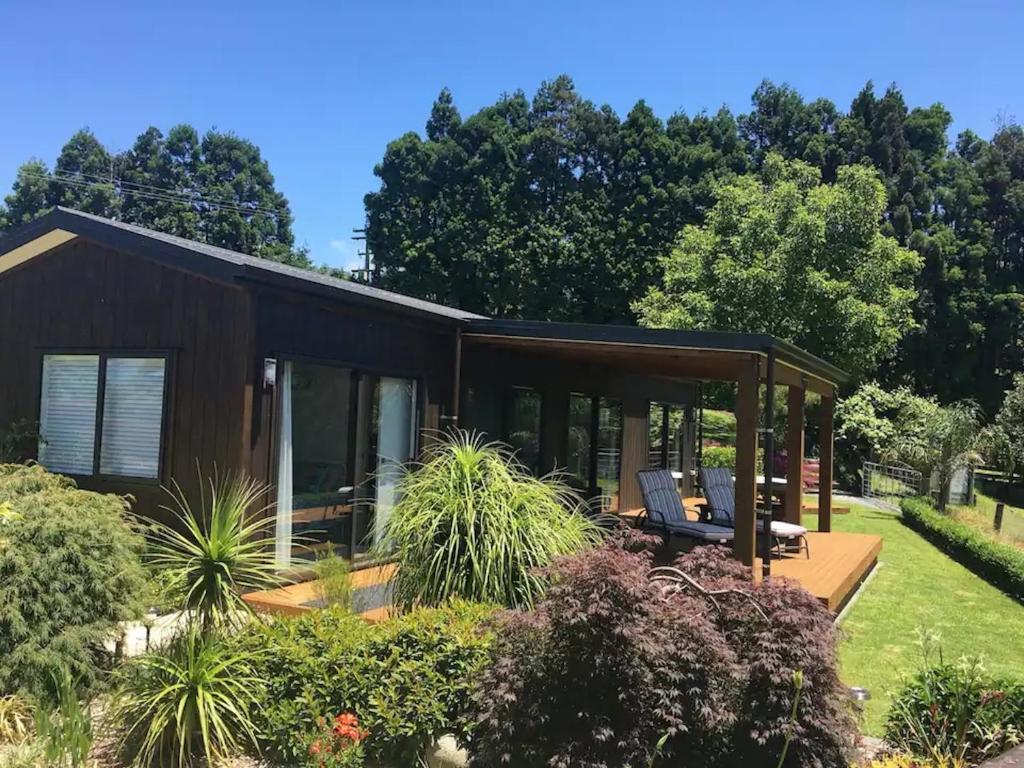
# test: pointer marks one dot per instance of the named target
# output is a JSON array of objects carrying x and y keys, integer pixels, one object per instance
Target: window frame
[{"x": 104, "y": 354}]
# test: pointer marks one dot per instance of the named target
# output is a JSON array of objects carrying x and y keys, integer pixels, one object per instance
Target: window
[
  {"x": 595, "y": 447},
  {"x": 522, "y": 430},
  {"x": 122, "y": 395},
  {"x": 665, "y": 447}
]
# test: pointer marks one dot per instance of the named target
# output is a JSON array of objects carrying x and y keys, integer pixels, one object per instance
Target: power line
[
  {"x": 162, "y": 190},
  {"x": 162, "y": 195}
]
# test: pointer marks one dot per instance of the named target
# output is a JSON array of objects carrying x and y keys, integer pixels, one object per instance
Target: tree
[
  {"x": 1006, "y": 437},
  {"x": 784, "y": 254},
  {"x": 897, "y": 426},
  {"x": 551, "y": 208},
  {"x": 28, "y": 198},
  {"x": 216, "y": 189}
]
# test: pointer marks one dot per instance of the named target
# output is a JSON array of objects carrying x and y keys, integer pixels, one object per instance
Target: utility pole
[{"x": 364, "y": 275}]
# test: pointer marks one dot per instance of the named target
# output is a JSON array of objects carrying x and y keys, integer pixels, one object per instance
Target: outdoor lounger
[
  {"x": 664, "y": 510},
  {"x": 720, "y": 491}
]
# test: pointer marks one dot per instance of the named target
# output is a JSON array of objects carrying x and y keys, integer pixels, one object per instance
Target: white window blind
[
  {"x": 67, "y": 413},
  {"x": 133, "y": 399}
]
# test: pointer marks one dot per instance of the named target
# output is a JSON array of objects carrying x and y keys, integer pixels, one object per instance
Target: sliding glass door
[
  {"x": 343, "y": 438},
  {"x": 594, "y": 449}
]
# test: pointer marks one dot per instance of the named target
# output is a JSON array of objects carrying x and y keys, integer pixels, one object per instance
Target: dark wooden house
[{"x": 142, "y": 356}]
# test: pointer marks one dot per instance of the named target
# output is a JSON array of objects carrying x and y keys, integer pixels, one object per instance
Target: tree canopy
[
  {"x": 782, "y": 253},
  {"x": 216, "y": 189},
  {"x": 557, "y": 208}
]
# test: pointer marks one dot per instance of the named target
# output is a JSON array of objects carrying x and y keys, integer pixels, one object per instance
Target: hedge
[{"x": 999, "y": 564}]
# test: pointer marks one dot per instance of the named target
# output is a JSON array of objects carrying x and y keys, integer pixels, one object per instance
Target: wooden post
[
  {"x": 745, "y": 541},
  {"x": 635, "y": 435},
  {"x": 998, "y": 522},
  {"x": 825, "y": 474},
  {"x": 794, "y": 455}
]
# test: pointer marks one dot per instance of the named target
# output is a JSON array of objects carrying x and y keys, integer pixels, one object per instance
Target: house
[{"x": 143, "y": 355}]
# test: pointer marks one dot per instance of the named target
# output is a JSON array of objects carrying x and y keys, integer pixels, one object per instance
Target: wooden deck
[
  {"x": 296, "y": 598},
  {"x": 839, "y": 562}
]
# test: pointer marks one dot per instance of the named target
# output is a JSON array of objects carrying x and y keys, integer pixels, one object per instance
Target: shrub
[
  {"x": 216, "y": 550},
  {"x": 333, "y": 581},
  {"x": 719, "y": 456},
  {"x": 719, "y": 426},
  {"x": 190, "y": 701},
  {"x": 407, "y": 679},
  {"x": 609, "y": 663},
  {"x": 1000, "y": 564},
  {"x": 472, "y": 523},
  {"x": 69, "y": 573},
  {"x": 15, "y": 719},
  {"x": 63, "y": 723},
  {"x": 903, "y": 760},
  {"x": 956, "y": 713}
]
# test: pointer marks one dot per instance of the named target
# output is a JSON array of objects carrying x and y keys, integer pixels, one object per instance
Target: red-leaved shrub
[{"x": 610, "y": 662}]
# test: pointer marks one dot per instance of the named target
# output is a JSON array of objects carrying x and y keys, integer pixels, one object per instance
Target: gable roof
[{"x": 63, "y": 224}]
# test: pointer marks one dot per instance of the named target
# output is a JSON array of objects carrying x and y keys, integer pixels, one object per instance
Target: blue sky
[{"x": 322, "y": 87}]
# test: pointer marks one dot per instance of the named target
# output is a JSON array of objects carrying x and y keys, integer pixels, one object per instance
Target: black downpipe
[{"x": 769, "y": 466}]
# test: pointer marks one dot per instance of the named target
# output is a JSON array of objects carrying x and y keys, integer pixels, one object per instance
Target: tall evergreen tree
[{"x": 217, "y": 189}]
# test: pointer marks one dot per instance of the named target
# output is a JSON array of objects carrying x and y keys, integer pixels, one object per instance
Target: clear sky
[{"x": 322, "y": 87}]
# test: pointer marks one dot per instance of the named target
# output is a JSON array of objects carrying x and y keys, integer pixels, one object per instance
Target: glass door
[
  {"x": 343, "y": 440},
  {"x": 315, "y": 479}
]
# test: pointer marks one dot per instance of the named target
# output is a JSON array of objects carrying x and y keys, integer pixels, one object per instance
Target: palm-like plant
[
  {"x": 217, "y": 550},
  {"x": 188, "y": 703},
  {"x": 473, "y": 523}
]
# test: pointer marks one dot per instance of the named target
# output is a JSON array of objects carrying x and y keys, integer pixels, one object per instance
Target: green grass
[
  {"x": 981, "y": 515},
  {"x": 918, "y": 587}
]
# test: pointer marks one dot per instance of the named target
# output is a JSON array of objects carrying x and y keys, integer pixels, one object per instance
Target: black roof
[
  {"x": 220, "y": 263},
  {"x": 727, "y": 341}
]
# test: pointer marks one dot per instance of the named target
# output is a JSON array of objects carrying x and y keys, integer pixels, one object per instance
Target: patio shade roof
[{"x": 696, "y": 355}]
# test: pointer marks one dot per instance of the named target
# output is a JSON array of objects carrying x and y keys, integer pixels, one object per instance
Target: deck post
[
  {"x": 794, "y": 455},
  {"x": 825, "y": 472},
  {"x": 745, "y": 541},
  {"x": 769, "y": 465}
]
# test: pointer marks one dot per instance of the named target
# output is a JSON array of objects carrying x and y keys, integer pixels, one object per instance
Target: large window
[
  {"x": 667, "y": 433},
  {"x": 522, "y": 429},
  {"x": 594, "y": 450},
  {"x": 121, "y": 397},
  {"x": 344, "y": 436}
]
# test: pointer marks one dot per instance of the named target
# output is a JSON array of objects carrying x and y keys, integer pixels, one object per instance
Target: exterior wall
[
  {"x": 556, "y": 378},
  {"x": 83, "y": 297},
  {"x": 293, "y": 326}
]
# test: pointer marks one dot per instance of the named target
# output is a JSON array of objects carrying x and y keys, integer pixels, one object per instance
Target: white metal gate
[{"x": 889, "y": 483}]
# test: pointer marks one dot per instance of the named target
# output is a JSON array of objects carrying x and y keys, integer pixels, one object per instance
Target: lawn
[
  {"x": 918, "y": 587},
  {"x": 980, "y": 516}
]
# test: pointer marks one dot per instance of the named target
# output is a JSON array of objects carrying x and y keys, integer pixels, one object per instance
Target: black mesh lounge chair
[
  {"x": 663, "y": 510},
  {"x": 720, "y": 493}
]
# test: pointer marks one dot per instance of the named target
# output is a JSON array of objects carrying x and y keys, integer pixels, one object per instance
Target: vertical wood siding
[{"x": 86, "y": 297}]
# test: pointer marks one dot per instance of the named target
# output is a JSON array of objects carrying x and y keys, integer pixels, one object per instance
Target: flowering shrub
[
  {"x": 611, "y": 665},
  {"x": 337, "y": 743},
  {"x": 956, "y": 713}
]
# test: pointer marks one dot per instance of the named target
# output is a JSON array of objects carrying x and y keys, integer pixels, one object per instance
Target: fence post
[{"x": 998, "y": 522}]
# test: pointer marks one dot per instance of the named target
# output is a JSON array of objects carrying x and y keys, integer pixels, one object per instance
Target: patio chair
[
  {"x": 720, "y": 509},
  {"x": 664, "y": 512}
]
